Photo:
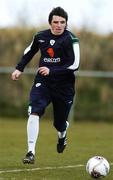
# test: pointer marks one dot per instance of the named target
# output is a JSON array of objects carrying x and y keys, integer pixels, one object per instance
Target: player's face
[{"x": 58, "y": 25}]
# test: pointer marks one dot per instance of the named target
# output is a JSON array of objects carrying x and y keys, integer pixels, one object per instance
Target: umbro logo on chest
[{"x": 41, "y": 40}]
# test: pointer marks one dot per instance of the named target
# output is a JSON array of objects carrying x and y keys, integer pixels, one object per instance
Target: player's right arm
[{"x": 29, "y": 52}]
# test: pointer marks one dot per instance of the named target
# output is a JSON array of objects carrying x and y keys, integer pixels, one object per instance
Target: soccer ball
[{"x": 97, "y": 167}]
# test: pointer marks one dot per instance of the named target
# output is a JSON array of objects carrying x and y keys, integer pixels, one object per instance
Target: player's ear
[{"x": 66, "y": 26}]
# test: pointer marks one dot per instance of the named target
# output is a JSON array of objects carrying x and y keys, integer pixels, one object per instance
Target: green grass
[{"x": 85, "y": 139}]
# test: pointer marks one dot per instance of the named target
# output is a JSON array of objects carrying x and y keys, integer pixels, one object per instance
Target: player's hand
[
  {"x": 44, "y": 71},
  {"x": 15, "y": 75}
]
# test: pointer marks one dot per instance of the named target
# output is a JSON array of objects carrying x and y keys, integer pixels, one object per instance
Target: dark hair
[{"x": 58, "y": 11}]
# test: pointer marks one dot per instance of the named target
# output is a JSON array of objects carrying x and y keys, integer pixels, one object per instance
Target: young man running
[{"x": 55, "y": 79}]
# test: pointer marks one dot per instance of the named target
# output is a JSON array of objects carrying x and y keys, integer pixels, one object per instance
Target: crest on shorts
[{"x": 38, "y": 84}]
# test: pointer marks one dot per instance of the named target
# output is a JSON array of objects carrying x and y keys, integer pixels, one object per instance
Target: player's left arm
[
  {"x": 72, "y": 49},
  {"x": 76, "y": 50}
]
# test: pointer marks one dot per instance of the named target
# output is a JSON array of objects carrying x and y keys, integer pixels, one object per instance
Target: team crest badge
[{"x": 52, "y": 42}]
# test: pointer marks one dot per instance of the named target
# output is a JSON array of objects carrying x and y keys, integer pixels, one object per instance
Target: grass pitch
[{"x": 85, "y": 139}]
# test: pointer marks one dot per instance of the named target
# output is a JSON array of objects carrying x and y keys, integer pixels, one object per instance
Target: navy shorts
[{"x": 61, "y": 97}]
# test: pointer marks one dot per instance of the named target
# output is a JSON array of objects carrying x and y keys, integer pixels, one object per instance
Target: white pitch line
[
  {"x": 43, "y": 168},
  {"x": 39, "y": 168}
]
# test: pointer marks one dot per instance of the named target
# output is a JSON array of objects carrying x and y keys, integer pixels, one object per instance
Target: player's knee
[
  {"x": 33, "y": 111},
  {"x": 59, "y": 126},
  {"x": 36, "y": 114}
]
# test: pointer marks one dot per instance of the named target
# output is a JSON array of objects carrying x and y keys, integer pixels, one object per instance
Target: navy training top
[{"x": 60, "y": 53}]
